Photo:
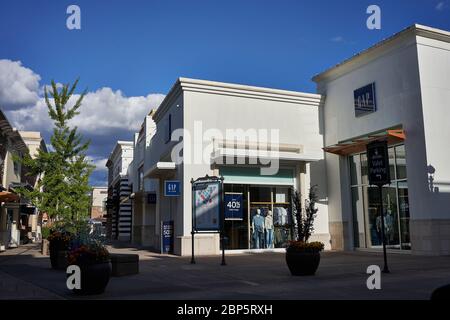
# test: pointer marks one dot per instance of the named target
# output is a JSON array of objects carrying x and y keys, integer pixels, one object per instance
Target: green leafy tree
[{"x": 62, "y": 190}]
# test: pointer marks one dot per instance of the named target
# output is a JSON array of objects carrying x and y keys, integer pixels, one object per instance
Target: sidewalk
[{"x": 26, "y": 274}]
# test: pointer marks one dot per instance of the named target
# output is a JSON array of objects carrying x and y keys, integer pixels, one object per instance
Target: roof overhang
[
  {"x": 253, "y": 156},
  {"x": 374, "y": 51},
  {"x": 160, "y": 169},
  {"x": 232, "y": 89},
  {"x": 17, "y": 143},
  {"x": 359, "y": 144}
]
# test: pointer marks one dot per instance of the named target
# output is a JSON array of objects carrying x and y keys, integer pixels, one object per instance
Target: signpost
[
  {"x": 207, "y": 209},
  {"x": 379, "y": 175}
]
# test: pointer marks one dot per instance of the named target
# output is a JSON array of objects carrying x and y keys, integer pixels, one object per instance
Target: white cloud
[
  {"x": 99, "y": 163},
  {"x": 441, "y": 6},
  {"x": 105, "y": 117},
  {"x": 105, "y": 110},
  {"x": 19, "y": 86},
  {"x": 102, "y": 112},
  {"x": 337, "y": 39}
]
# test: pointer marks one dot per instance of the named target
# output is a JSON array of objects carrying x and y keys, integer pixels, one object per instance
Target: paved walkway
[{"x": 26, "y": 274}]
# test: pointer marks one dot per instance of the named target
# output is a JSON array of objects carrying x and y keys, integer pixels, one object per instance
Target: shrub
[
  {"x": 87, "y": 253},
  {"x": 305, "y": 223},
  {"x": 300, "y": 246}
]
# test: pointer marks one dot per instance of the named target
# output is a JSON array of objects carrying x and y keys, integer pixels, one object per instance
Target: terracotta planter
[
  {"x": 94, "y": 278},
  {"x": 302, "y": 263}
]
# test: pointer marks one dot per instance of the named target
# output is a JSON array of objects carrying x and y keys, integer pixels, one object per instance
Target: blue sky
[{"x": 127, "y": 52}]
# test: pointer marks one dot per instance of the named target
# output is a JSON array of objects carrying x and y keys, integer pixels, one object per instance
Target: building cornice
[
  {"x": 17, "y": 142},
  {"x": 230, "y": 89},
  {"x": 117, "y": 150},
  {"x": 381, "y": 48}
]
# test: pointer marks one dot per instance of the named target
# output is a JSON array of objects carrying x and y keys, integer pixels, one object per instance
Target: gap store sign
[
  {"x": 172, "y": 188},
  {"x": 365, "y": 100}
]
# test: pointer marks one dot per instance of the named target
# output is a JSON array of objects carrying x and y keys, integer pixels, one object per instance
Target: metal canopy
[{"x": 359, "y": 144}]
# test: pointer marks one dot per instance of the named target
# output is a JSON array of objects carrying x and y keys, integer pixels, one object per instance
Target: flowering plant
[
  {"x": 58, "y": 235},
  {"x": 87, "y": 253},
  {"x": 300, "y": 246}
]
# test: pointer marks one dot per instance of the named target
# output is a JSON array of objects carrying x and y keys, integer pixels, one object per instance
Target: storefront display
[{"x": 266, "y": 218}]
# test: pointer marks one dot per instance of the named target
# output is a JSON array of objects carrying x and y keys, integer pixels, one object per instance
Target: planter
[
  {"x": 58, "y": 255},
  {"x": 94, "y": 278},
  {"x": 302, "y": 263}
]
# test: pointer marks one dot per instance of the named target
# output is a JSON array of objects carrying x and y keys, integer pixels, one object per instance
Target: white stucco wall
[
  {"x": 434, "y": 65},
  {"x": 298, "y": 124},
  {"x": 395, "y": 73},
  {"x": 158, "y": 150}
]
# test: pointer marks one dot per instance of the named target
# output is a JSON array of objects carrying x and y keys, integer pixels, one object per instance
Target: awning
[
  {"x": 359, "y": 144},
  {"x": 160, "y": 169},
  {"x": 243, "y": 155},
  {"x": 6, "y": 196}
]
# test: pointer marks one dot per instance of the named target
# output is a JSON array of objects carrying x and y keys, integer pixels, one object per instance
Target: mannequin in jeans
[
  {"x": 258, "y": 229},
  {"x": 268, "y": 225}
]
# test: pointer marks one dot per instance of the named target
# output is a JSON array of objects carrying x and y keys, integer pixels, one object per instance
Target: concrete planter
[
  {"x": 58, "y": 254},
  {"x": 94, "y": 278},
  {"x": 302, "y": 263}
]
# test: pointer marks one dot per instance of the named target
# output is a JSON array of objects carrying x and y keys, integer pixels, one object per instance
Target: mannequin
[
  {"x": 268, "y": 225},
  {"x": 258, "y": 229},
  {"x": 281, "y": 216}
]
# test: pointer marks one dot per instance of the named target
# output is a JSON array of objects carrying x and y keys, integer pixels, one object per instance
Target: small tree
[
  {"x": 305, "y": 220},
  {"x": 63, "y": 186}
]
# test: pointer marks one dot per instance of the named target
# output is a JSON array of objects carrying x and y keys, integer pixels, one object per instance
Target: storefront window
[
  {"x": 267, "y": 219},
  {"x": 358, "y": 217},
  {"x": 403, "y": 205},
  {"x": 391, "y": 155},
  {"x": 364, "y": 169},
  {"x": 366, "y": 203},
  {"x": 355, "y": 170},
  {"x": 390, "y": 217},
  {"x": 400, "y": 156},
  {"x": 236, "y": 231}
]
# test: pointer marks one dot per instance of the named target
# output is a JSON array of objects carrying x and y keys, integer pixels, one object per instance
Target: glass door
[{"x": 236, "y": 231}]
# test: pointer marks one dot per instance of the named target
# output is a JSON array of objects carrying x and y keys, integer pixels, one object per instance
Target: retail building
[
  {"x": 143, "y": 196},
  {"x": 119, "y": 217},
  {"x": 19, "y": 221},
  {"x": 397, "y": 90},
  {"x": 221, "y": 122},
  {"x": 99, "y": 196},
  {"x": 407, "y": 81}
]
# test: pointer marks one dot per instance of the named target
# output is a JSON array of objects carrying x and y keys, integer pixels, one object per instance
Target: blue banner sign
[
  {"x": 233, "y": 206},
  {"x": 151, "y": 198},
  {"x": 167, "y": 237},
  {"x": 365, "y": 100},
  {"x": 378, "y": 163},
  {"x": 172, "y": 188}
]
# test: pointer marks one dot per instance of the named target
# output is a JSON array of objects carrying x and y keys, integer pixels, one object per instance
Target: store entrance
[
  {"x": 266, "y": 222},
  {"x": 367, "y": 224}
]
